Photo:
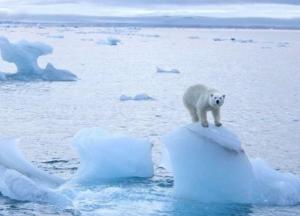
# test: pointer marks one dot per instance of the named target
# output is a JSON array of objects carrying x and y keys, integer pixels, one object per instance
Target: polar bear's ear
[
  {"x": 223, "y": 96},
  {"x": 211, "y": 95}
]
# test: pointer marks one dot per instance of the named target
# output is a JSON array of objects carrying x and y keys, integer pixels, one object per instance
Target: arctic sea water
[{"x": 257, "y": 71}]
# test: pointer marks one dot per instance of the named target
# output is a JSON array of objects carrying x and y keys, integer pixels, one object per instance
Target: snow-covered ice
[
  {"x": 209, "y": 165},
  {"x": 24, "y": 55},
  {"x": 105, "y": 156}
]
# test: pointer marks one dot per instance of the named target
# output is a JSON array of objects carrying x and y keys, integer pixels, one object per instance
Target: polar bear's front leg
[
  {"x": 194, "y": 115},
  {"x": 217, "y": 117},
  {"x": 202, "y": 115}
]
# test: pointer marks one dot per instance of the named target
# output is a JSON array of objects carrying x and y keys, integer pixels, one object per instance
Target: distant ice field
[{"x": 258, "y": 70}]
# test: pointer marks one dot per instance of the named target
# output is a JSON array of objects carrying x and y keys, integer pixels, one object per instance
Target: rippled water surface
[{"x": 257, "y": 69}]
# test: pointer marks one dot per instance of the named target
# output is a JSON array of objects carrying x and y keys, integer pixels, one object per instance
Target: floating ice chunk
[
  {"x": 12, "y": 158},
  {"x": 24, "y": 55},
  {"x": 125, "y": 98},
  {"x": 210, "y": 166},
  {"x": 206, "y": 169},
  {"x": 138, "y": 97},
  {"x": 20, "y": 180},
  {"x": 272, "y": 187},
  {"x": 160, "y": 70},
  {"x": 20, "y": 187},
  {"x": 105, "y": 156},
  {"x": 234, "y": 40},
  {"x": 219, "y": 39},
  {"x": 110, "y": 41},
  {"x": 282, "y": 44},
  {"x": 142, "y": 96},
  {"x": 54, "y": 74}
]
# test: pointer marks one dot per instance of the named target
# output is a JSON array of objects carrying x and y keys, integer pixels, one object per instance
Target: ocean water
[{"x": 258, "y": 70}]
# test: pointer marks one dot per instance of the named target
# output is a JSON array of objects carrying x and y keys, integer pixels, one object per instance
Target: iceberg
[
  {"x": 24, "y": 55},
  {"x": 105, "y": 156},
  {"x": 20, "y": 180},
  {"x": 209, "y": 165}
]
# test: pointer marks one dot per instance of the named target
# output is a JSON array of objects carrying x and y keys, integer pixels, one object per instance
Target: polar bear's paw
[
  {"x": 218, "y": 124},
  {"x": 204, "y": 124}
]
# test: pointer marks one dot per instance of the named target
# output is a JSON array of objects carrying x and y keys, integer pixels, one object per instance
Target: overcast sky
[
  {"x": 210, "y": 8},
  {"x": 149, "y": 2}
]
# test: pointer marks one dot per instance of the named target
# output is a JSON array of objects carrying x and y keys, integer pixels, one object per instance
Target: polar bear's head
[{"x": 216, "y": 100}]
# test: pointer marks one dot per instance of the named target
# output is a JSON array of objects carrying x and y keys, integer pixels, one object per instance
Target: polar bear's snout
[{"x": 217, "y": 101}]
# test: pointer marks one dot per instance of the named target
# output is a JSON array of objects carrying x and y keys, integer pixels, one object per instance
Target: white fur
[{"x": 200, "y": 99}]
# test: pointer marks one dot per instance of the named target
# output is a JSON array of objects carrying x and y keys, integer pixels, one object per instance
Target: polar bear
[{"x": 199, "y": 99}]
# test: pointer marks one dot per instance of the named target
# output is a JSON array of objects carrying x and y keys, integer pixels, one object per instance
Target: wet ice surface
[{"x": 260, "y": 80}]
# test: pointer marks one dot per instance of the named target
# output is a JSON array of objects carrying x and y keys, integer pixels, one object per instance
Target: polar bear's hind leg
[{"x": 193, "y": 113}]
